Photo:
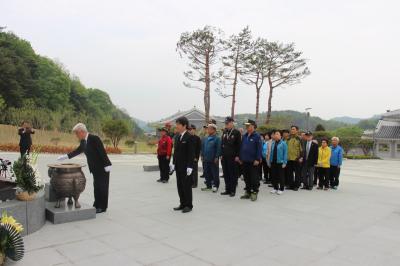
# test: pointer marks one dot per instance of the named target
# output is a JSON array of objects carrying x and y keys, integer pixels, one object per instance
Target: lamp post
[{"x": 308, "y": 118}]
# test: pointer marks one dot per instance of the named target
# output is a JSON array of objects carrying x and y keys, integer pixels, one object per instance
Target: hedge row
[{"x": 51, "y": 149}]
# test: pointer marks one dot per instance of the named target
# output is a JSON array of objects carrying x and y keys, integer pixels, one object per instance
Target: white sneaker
[
  {"x": 280, "y": 192},
  {"x": 273, "y": 191},
  {"x": 214, "y": 189}
]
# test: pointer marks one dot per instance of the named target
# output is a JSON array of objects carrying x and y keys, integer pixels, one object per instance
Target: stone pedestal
[
  {"x": 68, "y": 213},
  {"x": 31, "y": 214},
  {"x": 50, "y": 193}
]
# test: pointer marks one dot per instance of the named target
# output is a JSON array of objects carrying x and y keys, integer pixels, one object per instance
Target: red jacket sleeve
[{"x": 169, "y": 147}]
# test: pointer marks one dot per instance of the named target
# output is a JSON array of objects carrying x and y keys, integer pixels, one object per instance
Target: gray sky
[{"x": 127, "y": 48}]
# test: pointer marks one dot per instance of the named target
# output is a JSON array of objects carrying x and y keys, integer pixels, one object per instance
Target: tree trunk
[
  {"x": 268, "y": 119},
  {"x": 234, "y": 87},
  {"x": 257, "y": 102},
  {"x": 207, "y": 90}
]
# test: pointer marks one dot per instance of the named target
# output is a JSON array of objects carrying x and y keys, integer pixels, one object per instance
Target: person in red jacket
[{"x": 164, "y": 151}]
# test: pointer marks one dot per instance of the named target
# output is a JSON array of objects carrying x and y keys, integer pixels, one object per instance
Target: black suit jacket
[
  {"x": 197, "y": 146},
  {"x": 25, "y": 140},
  {"x": 184, "y": 152},
  {"x": 95, "y": 153},
  {"x": 312, "y": 154}
]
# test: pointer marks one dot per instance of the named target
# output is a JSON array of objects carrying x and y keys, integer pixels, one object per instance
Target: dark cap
[
  {"x": 192, "y": 126},
  {"x": 308, "y": 133},
  {"x": 250, "y": 122},
  {"x": 229, "y": 119},
  {"x": 212, "y": 121}
]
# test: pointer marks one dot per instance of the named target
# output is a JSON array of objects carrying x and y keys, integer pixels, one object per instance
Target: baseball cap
[{"x": 229, "y": 119}]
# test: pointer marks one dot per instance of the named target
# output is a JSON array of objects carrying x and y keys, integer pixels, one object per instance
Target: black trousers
[
  {"x": 308, "y": 175},
  {"x": 230, "y": 170},
  {"x": 163, "y": 164},
  {"x": 101, "y": 181},
  {"x": 251, "y": 177},
  {"x": 195, "y": 174},
  {"x": 24, "y": 150},
  {"x": 184, "y": 184},
  {"x": 316, "y": 171},
  {"x": 323, "y": 177},
  {"x": 278, "y": 176},
  {"x": 267, "y": 171},
  {"x": 334, "y": 173},
  {"x": 293, "y": 174}
]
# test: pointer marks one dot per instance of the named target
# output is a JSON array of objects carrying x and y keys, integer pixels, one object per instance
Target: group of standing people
[{"x": 285, "y": 159}]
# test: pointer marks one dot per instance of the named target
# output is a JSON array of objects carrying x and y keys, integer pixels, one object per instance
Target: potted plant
[
  {"x": 27, "y": 177},
  {"x": 11, "y": 243}
]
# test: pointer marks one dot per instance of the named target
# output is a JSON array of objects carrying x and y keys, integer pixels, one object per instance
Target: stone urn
[{"x": 68, "y": 181}]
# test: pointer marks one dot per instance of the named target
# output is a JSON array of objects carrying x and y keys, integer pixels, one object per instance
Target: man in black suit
[
  {"x": 25, "y": 141},
  {"x": 98, "y": 162},
  {"x": 183, "y": 162},
  {"x": 197, "y": 150},
  {"x": 309, "y": 160}
]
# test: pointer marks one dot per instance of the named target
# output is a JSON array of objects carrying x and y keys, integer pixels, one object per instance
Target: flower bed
[{"x": 51, "y": 148}]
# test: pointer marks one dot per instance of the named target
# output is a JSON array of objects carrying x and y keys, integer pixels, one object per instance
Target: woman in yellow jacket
[{"x": 324, "y": 157}]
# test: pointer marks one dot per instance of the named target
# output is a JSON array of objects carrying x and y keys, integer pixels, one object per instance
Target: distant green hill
[
  {"x": 347, "y": 119},
  {"x": 284, "y": 119},
  {"x": 42, "y": 91}
]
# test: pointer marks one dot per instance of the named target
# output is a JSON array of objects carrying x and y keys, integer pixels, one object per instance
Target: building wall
[{"x": 388, "y": 149}]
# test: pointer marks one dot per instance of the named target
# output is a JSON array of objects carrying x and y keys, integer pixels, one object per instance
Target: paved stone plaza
[{"x": 357, "y": 225}]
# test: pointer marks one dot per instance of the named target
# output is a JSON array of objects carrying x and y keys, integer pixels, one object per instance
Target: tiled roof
[{"x": 388, "y": 132}]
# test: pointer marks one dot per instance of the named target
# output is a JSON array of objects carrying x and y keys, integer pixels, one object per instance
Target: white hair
[
  {"x": 79, "y": 127},
  {"x": 336, "y": 138}
]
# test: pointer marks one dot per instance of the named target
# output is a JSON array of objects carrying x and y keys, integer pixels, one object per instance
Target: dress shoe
[
  {"x": 232, "y": 194},
  {"x": 100, "y": 210},
  {"x": 225, "y": 193},
  {"x": 186, "y": 210},
  {"x": 164, "y": 181},
  {"x": 179, "y": 208},
  {"x": 159, "y": 180}
]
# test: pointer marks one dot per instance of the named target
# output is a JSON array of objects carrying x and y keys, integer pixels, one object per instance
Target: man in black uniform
[
  {"x": 25, "y": 141},
  {"x": 230, "y": 150},
  {"x": 183, "y": 161},
  {"x": 197, "y": 150},
  {"x": 98, "y": 162}
]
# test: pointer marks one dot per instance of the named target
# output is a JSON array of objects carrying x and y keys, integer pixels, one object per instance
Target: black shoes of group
[
  {"x": 225, "y": 193},
  {"x": 183, "y": 209},
  {"x": 162, "y": 181}
]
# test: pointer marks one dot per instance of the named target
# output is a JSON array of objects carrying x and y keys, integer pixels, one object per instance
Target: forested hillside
[
  {"x": 42, "y": 91},
  {"x": 284, "y": 119}
]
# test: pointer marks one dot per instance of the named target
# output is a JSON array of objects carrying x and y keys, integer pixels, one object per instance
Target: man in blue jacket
[
  {"x": 210, "y": 153},
  {"x": 336, "y": 163},
  {"x": 250, "y": 159},
  {"x": 278, "y": 160}
]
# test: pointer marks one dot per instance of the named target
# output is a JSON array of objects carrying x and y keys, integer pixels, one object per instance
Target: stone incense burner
[{"x": 68, "y": 181}]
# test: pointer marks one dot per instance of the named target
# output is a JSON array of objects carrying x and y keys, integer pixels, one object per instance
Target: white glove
[
  {"x": 189, "y": 171},
  {"x": 62, "y": 157},
  {"x": 171, "y": 167},
  {"x": 107, "y": 168},
  {"x": 283, "y": 165}
]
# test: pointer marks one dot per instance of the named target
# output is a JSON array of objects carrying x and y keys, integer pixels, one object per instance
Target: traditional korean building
[
  {"x": 387, "y": 135},
  {"x": 195, "y": 116}
]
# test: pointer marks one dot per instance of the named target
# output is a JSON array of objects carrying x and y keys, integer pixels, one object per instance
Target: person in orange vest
[{"x": 164, "y": 151}]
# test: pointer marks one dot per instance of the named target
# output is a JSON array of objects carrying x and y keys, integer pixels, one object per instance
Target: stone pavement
[{"x": 357, "y": 225}]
